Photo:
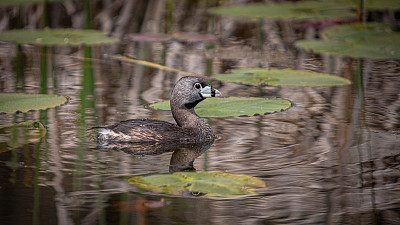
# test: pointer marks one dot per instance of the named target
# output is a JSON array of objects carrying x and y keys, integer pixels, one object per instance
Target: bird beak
[{"x": 208, "y": 92}]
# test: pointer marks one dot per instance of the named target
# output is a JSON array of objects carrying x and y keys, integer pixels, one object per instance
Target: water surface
[{"x": 333, "y": 158}]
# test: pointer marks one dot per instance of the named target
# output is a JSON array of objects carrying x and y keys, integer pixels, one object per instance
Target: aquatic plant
[
  {"x": 276, "y": 77},
  {"x": 374, "y": 41},
  {"x": 18, "y": 102},
  {"x": 304, "y": 10},
  {"x": 234, "y": 106},
  {"x": 18, "y": 134},
  {"x": 207, "y": 184},
  {"x": 301, "y": 10},
  {"x": 49, "y": 37}
]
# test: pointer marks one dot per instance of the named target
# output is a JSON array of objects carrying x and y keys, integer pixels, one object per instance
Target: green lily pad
[
  {"x": 374, "y": 41},
  {"x": 208, "y": 184},
  {"x": 276, "y": 77},
  {"x": 373, "y": 5},
  {"x": 301, "y": 10},
  {"x": 149, "y": 37},
  {"x": 13, "y": 102},
  {"x": 57, "y": 37},
  {"x": 304, "y": 10},
  {"x": 381, "y": 4},
  {"x": 24, "y": 2},
  {"x": 18, "y": 134},
  {"x": 234, "y": 106}
]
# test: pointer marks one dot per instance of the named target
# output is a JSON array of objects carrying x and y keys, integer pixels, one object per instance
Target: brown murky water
[{"x": 333, "y": 158}]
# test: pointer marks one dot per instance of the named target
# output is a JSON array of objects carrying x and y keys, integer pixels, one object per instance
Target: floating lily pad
[
  {"x": 376, "y": 5},
  {"x": 57, "y": 37},
  {"x": 187, "y": 37},
  {"x": 208, "y": 184},
  {"x": 381, "y": 4},
  {"x": 375, "y": 41},
  {"x": 276, "y": 77},
  {"x": 18, "y": 134},
  {"x": 304, "y": 10},
  {"x": 301, "y": 10},
  {"x": 234, "y": 106},
  {"x": 13, "y": 102},
  {"x": 190, "y": 37},
  {"x": 321, "y": 24},
  {"x": 149, "y": 37},
  {"x": 24, "y": 2}
]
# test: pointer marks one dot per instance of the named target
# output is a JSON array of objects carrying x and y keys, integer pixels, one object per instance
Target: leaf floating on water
[
  {"x": 374, "y": 41},
  {"x": 14, "y": 102},
  {"x": 207, "y": 184},
  {"x": 18, "y": 134},
  {"x": 234, "y": 106},
  {"x": 188, "y": 37},
  {"x": 276, "y": 77},
  {"x": 321, "y": 24},
  {"x": 25, "y": 2},
  {"x": 149, "y": 37},
  {"x": 302, "y": 10},
  {"x": 194, "y": 37},
  {"x": 381, "y": 4},
  {"x": 51, "y": 37}
]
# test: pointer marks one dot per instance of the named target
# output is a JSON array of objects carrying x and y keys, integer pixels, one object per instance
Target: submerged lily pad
[
  {"x": 301, "y": 10},
  {"x": 208, "y": 184},
  {"x": 234, "y": 106},
  {"x": 13, "y": 102},
  {"x": 375, "y": 41},
  {"x": 57, "y": 37},
  {"x": 276, "y": 77},
  {"x": 18, "y": 134}
]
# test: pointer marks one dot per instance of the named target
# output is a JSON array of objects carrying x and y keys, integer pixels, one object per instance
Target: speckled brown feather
[{"x": 147, "y": 130}]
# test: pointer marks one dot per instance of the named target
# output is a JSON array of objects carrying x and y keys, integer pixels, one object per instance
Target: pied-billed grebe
[{"x": 190, "y": 128}]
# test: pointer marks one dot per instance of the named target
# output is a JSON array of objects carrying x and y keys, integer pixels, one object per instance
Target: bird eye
[{"x": 197, "y": 85}]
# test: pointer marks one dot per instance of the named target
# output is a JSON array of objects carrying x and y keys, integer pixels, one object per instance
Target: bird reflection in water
[{"x": 182, "y": 157}]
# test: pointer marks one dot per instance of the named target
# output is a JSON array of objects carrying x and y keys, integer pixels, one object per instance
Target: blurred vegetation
[
  {"x": 57, "y": 37},
  {"x": 374, "y": 41}
]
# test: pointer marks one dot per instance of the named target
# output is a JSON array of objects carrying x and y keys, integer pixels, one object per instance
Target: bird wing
[{"x": 147, "y": 130}]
